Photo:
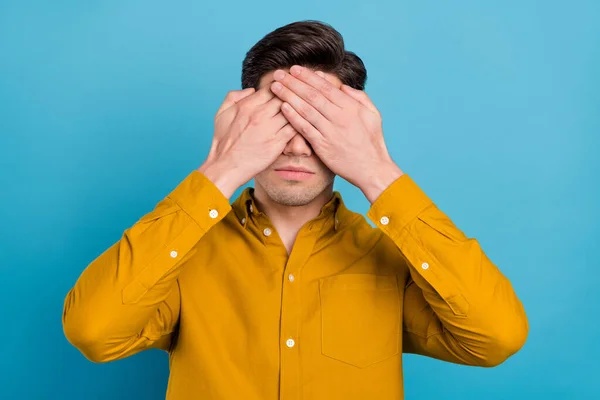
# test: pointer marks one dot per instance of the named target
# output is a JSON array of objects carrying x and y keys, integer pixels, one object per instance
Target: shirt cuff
[
  {"x": 201, "y": 199},
  {"x": 398, "y": 205}
]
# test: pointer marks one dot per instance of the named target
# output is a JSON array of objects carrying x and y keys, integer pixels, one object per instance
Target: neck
[{"x": 289, "y": 219}]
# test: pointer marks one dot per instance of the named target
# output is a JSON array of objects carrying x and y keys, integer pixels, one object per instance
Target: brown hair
[{"x": 312, "y": 44}]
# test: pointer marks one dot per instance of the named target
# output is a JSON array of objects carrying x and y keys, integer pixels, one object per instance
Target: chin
[{"x": 293, "y": 193}]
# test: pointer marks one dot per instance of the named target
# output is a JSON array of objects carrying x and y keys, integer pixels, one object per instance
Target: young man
[{"x": 286, "y": 293}]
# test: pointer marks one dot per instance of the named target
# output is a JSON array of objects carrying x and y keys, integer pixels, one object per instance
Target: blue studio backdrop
[{"x": 492, "y": 107}]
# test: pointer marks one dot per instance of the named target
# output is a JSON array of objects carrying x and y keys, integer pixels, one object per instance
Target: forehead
[{"x": 268, "y": 78}]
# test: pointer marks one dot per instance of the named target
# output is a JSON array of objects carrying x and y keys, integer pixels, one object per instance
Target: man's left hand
[{"x": 342, "y": 125}]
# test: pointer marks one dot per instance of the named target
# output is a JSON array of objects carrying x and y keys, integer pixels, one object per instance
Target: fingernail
[
  {"x": 295, "y": 70},
  {"x": 279, "y": 74},
  {"x": 321, "y": 74}
]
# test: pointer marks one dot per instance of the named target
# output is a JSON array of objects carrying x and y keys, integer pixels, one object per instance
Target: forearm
[
  {"x": 474, "y": 315},
  {"x": 481, "y": 320},
  {"x": 121, "y": 290}
]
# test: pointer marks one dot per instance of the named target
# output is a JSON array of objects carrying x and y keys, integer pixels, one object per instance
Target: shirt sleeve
[
  {"x": 127, "y": 299},
  {"x": 458, "y": 306}
]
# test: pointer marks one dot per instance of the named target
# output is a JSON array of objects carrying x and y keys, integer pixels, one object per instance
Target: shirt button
[
  {"x": 384, "y": 220},
  {"x": 213, "y": 213},
  {"x": 243, "y": 221},
  {"x": 424, "y": 265},
  {"x": 291, "y": 277},
  {"x": 173, "y": 254},
  {"x": 267, "y": 232},
  {"x": 290, "y": 343}
]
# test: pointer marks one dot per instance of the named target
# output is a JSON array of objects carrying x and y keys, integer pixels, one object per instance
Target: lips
[{"x": 294, "y": 169}]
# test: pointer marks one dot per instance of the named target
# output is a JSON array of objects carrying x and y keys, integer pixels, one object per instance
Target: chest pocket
[{"x": 360, "y": 318}]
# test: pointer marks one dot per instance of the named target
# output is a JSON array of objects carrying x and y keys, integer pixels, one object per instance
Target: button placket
[{"x": 291, "y": 311}]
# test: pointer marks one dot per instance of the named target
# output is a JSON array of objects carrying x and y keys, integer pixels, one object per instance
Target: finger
[
  {"x": 272, "y": 107},
  {"x": 286, "y": 133},
  {"x": 233, "y": 97},
  {"x": 304, "y": 127},
  {"x": 297, "y": 88},
  {"x": 306, "y": 110},
  {"x": 260, "y": 97},
  {"x": 318, "y": 81},
  {"x": 251, "y": 108},
  {"x": 360, "y": 96},
  {"x": 278, "y": 122}
]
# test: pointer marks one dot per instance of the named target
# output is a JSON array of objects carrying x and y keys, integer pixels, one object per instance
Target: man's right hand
[{"x": 250, "y": 133}]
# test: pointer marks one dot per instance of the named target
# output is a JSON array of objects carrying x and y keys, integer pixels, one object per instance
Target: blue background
[{"x": 492, "y": 108}]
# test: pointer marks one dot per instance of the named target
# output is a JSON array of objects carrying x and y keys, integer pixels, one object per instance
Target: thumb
[
  {"x": 234, "y": 96},
  {"x": 360, "y": 96}
]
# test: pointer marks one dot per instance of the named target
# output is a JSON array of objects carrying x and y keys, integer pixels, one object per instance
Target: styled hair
[{"x": 312, "y": 44}]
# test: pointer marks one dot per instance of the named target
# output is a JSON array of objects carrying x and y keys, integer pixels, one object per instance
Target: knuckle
[
  {"x": 243, "y": 106},
  {"x": 313, "y": 95},
  {"x": 326, "y": 87},
  {"x": 257, "y": 117},
  {"x": 305, "y": 129},
  {"x": 245, "y": 109},
  {"x": 241, "y": 119},
  {"x": 240, "y": 124},
  {"x": 242, "y": 112},
  {"x": 254, "y": 120},
  {"x": 338, "y": 115},
  {"x": 305, "y": 110}
]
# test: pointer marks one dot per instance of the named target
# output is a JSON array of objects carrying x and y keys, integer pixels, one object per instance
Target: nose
[{"x": 298, "y": 146}]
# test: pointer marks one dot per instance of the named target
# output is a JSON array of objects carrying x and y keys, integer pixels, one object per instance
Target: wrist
[
  {"x": 380, "y": 180},
  {"x": 222, "y": 176}
]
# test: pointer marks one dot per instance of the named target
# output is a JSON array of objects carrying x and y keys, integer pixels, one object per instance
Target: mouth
[
  {"x": 294, "y": 173},
  {"x": 294, "y": 169}
]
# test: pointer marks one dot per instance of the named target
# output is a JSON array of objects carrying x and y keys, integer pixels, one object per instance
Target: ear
[{"x": 360, "y": 96}]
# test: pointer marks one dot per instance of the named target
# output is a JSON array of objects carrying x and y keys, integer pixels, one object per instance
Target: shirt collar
[{"x": 245, "y": 206}]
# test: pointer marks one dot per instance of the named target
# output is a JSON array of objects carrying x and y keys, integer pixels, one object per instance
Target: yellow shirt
[{"x": 211, "y": 283}]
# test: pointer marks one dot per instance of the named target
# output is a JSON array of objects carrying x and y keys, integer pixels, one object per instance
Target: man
[{"x": 285, "y": 293}]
